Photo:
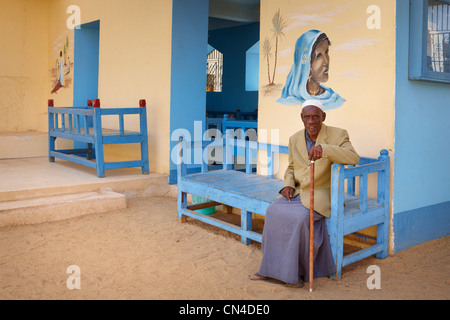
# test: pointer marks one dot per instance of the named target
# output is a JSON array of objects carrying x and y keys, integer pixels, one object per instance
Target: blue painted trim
[
  {"x": 86, "y": 63},
  {"x": 86, "y": 67},
  {"x": 416, "y": 226}
]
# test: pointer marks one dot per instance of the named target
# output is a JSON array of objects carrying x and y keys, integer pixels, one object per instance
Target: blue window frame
[{"x": 429, "y": 40}]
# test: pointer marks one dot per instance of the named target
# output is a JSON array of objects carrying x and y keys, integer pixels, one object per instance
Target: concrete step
[
  {"x": 59, "y": 207},
  {"x": 29, "y": 178}
]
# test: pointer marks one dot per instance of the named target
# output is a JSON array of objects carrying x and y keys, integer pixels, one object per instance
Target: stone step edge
[{"x": 60, "y": 207}]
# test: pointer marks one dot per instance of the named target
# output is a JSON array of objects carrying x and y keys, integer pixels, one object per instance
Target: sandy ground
[{"x": 143, "y": 252}]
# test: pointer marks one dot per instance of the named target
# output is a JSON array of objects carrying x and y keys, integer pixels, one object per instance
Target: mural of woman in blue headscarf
[{"x": 310, "y": 69}]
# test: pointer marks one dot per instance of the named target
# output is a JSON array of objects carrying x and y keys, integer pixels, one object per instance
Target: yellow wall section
[
  {"x": 134, "y": 63},
  {"x": 23, "y": 65}
]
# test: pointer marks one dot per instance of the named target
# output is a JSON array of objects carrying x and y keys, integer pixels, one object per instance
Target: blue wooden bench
[
  {"x": 238, "y": 115},
  {"x": 73, "y": 123},
  {"x": 228, "y": 122},
  {"x": 253, "y": 193}
]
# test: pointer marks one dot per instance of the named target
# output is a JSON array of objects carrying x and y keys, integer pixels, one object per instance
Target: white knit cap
[{"x": 315, "y": 103}]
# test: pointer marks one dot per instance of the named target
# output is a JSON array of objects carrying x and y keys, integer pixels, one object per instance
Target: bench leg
[
  {"x": 338, "y": 263},
  {"x": 89, "y": 152},
  {"x": 383, "y": 238},
  {"x": 246, "y": 225},
  {"x": 51, "y": 147},
  {"x": 337, "y": 249},
  {"x": 144, "y": 157},
  {"x": 182, "y": 204},
  {"x": 98, "y": 143},
  {"x": 144, "y": 142},
  {"x": 99, "y": 160},
  {"x": 338, "y": 273}
]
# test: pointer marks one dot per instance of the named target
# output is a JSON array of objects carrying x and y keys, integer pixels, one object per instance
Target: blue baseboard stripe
[{"x": 420, "y": 225}]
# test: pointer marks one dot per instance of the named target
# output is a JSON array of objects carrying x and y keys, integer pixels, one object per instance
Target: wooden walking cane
[{"x": 311, "y": 229}]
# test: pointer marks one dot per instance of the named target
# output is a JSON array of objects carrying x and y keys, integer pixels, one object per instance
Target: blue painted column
[{"x": 188, "y": 68}]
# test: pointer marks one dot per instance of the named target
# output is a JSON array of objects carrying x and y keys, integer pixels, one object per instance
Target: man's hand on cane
[{"x": 316, "y": 153}]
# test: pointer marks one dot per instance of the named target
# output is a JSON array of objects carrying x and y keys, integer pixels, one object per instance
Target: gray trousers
[{"x": 285, "y": 243}]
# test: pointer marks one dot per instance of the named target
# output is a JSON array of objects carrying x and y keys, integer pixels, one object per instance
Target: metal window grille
[
  {"x": 214, "y": 70},
  {"x": 438, "y": 48}
]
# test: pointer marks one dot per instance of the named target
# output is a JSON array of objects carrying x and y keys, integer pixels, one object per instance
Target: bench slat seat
[{"x": 254, "y": 187}]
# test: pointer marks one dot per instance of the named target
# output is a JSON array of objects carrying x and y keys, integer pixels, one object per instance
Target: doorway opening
[{"x": 86, "y": 66}]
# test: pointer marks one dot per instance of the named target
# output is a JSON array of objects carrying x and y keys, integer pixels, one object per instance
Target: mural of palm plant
[
  {"x": 269, "y": 50},
  {"x": 266, "y": 52},
  {"x": 279, "y": 24}
]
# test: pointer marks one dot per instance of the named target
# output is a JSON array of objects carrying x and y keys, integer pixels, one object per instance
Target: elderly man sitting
[{"x": 285, "y": 240}]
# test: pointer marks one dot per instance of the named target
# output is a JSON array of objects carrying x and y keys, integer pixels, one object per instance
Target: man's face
[{"x": 312, "y": 118}]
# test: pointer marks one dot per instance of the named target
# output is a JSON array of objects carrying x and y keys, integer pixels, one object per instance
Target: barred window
[
  {"x": 214, "y": 71},
  {"x": 438, "y": 37},
  {"x": 429, "y": 40}
]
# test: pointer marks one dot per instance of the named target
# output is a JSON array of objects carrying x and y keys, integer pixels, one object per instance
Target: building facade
[{"x": 388, "y": 82}]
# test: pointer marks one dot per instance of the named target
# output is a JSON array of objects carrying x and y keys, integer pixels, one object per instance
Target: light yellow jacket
[{"x": 336, "y": 148}]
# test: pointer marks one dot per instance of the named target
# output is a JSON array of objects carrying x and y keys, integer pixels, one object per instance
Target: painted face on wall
[
  {"x": 320, "y": 63},
  {"x": 309, "y": 71}
]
